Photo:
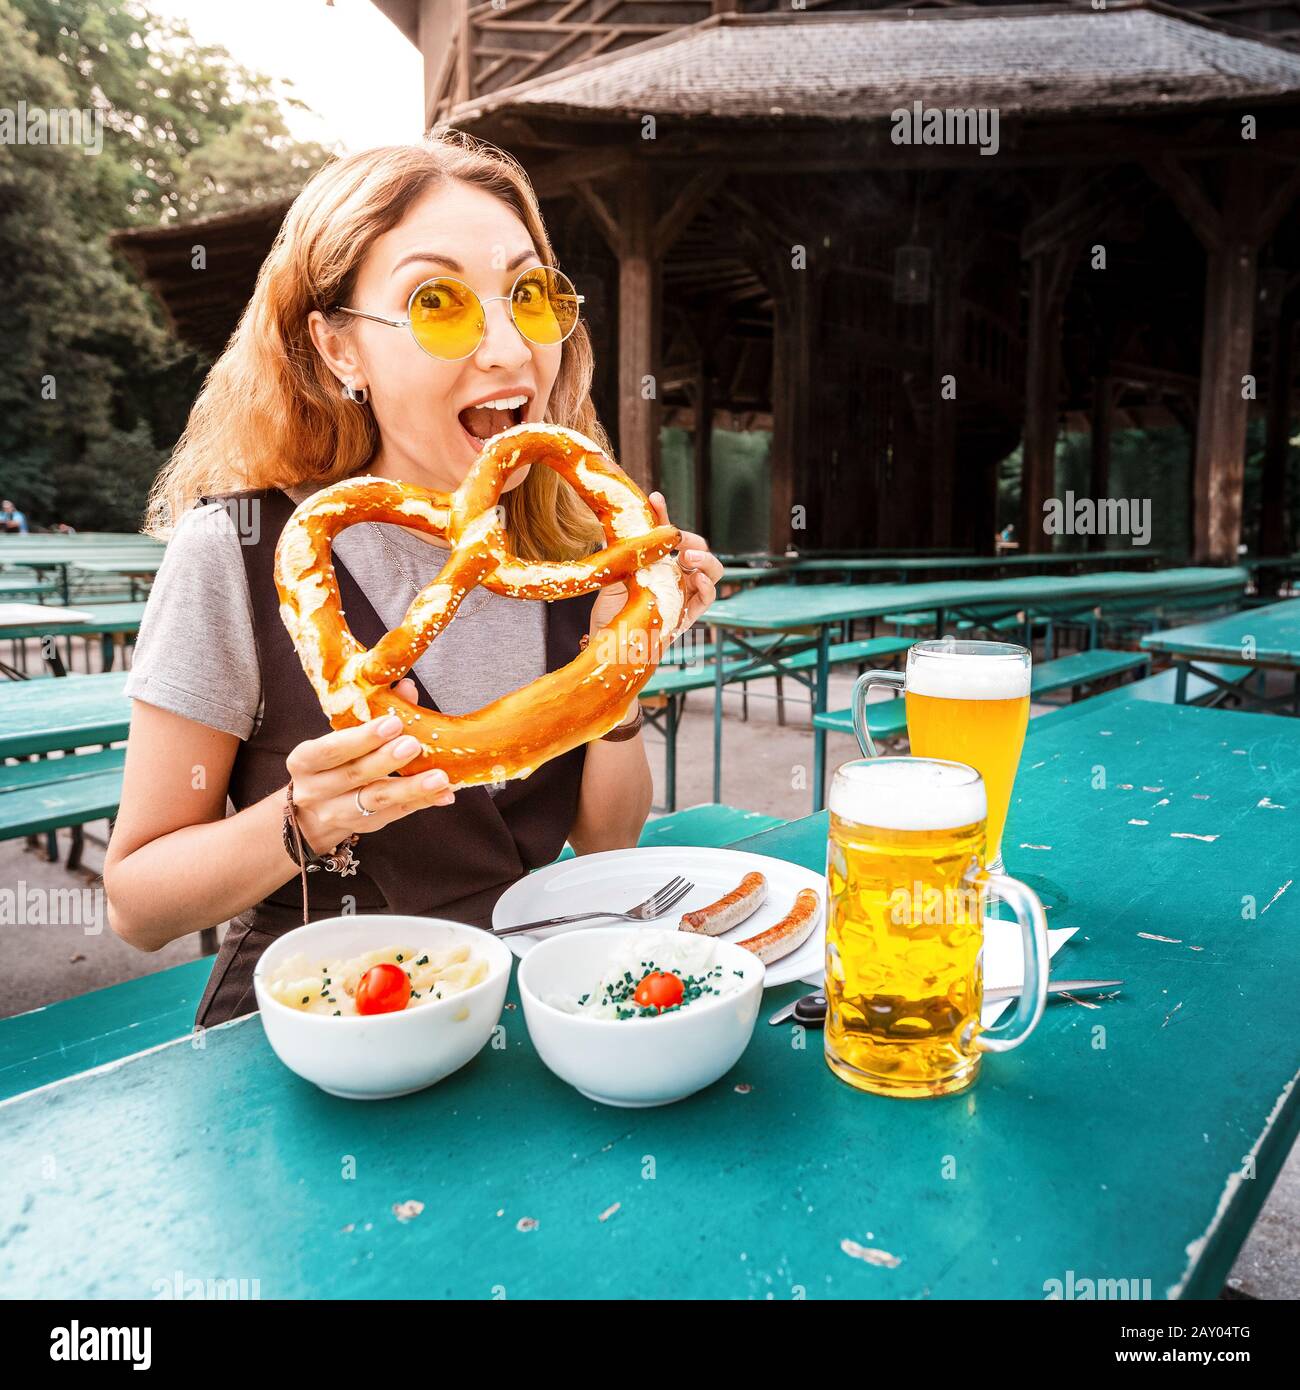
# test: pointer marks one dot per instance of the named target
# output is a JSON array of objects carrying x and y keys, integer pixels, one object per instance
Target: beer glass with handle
[
  {"x": 968, "y": 701},
  {"x": 905, "y": 929}
]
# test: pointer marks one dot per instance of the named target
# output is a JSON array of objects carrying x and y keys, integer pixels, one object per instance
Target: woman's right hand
[{"x": 328, "y": 772}]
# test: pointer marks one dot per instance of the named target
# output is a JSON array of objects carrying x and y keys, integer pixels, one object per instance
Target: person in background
[{"x": 11, "y": 519}]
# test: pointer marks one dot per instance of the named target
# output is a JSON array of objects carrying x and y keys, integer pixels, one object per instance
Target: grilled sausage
[
  {"x": 790, "y": 932},
  {"x": 728, "y": 911}
]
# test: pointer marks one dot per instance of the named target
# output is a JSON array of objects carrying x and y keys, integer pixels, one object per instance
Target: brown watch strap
[{"x": 625, "y": 731}]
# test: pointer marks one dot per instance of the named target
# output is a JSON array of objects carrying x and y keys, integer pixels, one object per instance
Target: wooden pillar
[
  {"x": 1274, "y": 533},
  {"x": 1231, "y": 228},
  {"x": 943, "y": 413},
  {"x": 638, "y": 333},
  {"x": 703, "y": 447},
  {"x": 1048, "y": 280},
  {"x": 1099, "y": 473},
  {"x": 1220, "y": 465},
  {"x": 464, "y": 54},
  {"x": 796, "y": 294}
]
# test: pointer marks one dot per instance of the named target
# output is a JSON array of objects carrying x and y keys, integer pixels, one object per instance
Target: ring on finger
[{"x": 360, "y": 807}]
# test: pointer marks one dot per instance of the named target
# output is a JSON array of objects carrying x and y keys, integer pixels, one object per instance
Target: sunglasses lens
[
  {"x": 544, "y": 305},
  {"x": 447, "y": 319}
]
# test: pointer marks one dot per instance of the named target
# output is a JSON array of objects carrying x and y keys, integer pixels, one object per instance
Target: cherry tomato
[
  {"x": 384, "y": 989},
  {"x": 659, "y": 990}
]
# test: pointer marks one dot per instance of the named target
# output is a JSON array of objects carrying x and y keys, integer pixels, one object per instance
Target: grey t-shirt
[{"x": 196, "y": 654}]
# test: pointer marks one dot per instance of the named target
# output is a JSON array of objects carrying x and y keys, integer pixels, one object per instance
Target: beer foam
[
  {"x": 958, "y": 675},
  {"x": 908, "y": 794}
]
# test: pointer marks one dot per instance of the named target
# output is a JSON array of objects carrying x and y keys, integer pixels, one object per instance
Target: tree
[{"x": 96, "y": 387}]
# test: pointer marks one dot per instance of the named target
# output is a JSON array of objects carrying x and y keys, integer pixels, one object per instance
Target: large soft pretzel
[{"x": 513, "y": 735}]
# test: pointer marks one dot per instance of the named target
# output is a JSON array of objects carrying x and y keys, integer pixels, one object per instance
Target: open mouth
[{"x": 481, "y": 422}]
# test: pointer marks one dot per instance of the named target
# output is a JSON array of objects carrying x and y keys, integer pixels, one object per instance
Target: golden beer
[
  {"x": 904, "y": 932},
  {"x": 968, "y": 702}
]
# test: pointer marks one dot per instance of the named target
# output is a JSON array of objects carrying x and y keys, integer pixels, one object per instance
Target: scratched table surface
[
  {"x": 1133, "y": 1140},
  {"x": 1267, "y": 636}
]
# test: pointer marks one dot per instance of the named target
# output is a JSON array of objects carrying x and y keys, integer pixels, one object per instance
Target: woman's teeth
[{"x": 490, "y": 418}]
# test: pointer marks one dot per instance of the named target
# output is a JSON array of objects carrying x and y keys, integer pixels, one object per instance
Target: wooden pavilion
[{"x": 1099, "y": 228}]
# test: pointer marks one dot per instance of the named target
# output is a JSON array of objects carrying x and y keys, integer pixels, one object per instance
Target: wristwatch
[{"x": 625, "y": 731}]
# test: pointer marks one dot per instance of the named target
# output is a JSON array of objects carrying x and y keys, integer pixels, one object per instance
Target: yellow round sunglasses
[{"x": 447, "y": 318}]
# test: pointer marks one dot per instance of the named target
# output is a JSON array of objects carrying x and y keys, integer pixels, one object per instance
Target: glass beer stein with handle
[
  {"x": 906, "y": 887},
  {"x": 968, "y": 701}
]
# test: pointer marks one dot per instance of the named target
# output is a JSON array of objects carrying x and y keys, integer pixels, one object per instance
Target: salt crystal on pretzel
[{"x": 515, "y": 734}]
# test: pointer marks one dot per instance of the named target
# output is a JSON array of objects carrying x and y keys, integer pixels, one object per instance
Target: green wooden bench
[
  {"x": 671, "y": 685},
  {"x": 59, "y": 715},
  {"x": 1084, "y": 668},
  {"x": 888, "y": 718},
  {"x": 1161, "y": 688},
  {"x": 48, "y": 794}
]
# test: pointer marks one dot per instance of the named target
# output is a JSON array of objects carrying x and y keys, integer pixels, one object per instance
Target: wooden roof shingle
[{"x": 862, "y": 66}]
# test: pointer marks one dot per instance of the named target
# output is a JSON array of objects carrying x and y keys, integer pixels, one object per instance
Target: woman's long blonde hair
[{"x": 270, "y": 413}]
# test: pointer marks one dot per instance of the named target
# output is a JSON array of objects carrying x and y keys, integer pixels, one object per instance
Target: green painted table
[
  {"x": 776, "y": 608},
  {"x": 1263, "y": 639},
  {"x": 1136, "y": 1140},
  {"x": 790, "y": 568},
  {"x": 107, "y": 621},
  {"x": 66, "y": 553},
  {"x": 48, "y": 713}
]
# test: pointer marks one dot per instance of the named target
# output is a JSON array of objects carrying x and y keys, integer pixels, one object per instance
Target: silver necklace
[{"x": 400, "y": 566}]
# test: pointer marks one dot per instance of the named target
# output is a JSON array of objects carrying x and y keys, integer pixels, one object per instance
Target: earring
[{"x": 355, "y": 393}]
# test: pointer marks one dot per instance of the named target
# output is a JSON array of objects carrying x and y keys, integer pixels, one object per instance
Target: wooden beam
[
  {"x": 1274, "y": 533},
  {"x": 567, "y": 173},
  {"x": 1190, "y": 197},
  {"x": 1082, "y": 208},
  {"x": 638, "y": 335},
  {"x": 1048, "y": 281},
  {"x": 702, "y": 440},
  {"x": 1230, "y": 232},
  {"x": 1277, "y": 204},
  {"x": 797, "y": 303},
  {"x": 942, "y": 413},
  {"x": 464, "y": 55},
  {"x": 601, "y": 214},
  {"x": 689, "y": 198},
  {"x": 1103, "y": 400}
]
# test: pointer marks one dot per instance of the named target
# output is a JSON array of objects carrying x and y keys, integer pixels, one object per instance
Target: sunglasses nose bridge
[{"x": 508, "y": 312}]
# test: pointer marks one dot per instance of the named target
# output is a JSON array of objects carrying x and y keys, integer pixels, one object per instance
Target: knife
[{"x": 810, "y": 1009}]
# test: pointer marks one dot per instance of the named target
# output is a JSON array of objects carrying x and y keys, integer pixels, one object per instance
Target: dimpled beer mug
[
  {"x": 968, "y": 701},
  {"x": 905, "y": 930}
]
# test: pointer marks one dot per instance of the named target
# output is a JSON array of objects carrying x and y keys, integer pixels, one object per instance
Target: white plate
[{"x": 621, "y": 878}]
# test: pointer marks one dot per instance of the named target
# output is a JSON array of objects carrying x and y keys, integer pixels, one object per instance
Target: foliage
[{"x": 96, "y": 389}]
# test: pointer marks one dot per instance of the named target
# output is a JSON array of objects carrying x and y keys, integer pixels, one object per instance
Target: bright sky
[{"x": 361, "y": 77}]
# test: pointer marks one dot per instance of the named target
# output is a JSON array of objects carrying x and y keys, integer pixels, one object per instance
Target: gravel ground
[{"x": 766, "y": 768}]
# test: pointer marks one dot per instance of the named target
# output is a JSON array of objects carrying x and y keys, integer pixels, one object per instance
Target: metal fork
[{"x": 656, "y": 905}]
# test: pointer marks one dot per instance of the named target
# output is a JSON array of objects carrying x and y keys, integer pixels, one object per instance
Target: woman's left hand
[{"x": 693, "y": 555}]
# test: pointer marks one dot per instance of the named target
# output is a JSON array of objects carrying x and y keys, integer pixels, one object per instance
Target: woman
[{"x": 330, "y": 374}]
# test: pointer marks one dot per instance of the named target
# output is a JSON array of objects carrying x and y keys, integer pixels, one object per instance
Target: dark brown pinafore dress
[{"x": 444, "y": 861}]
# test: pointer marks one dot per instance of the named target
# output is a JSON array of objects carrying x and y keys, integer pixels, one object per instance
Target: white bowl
[
  {"x": 377, "y": 1056},
  {"x": 633, "y": 1061}
]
